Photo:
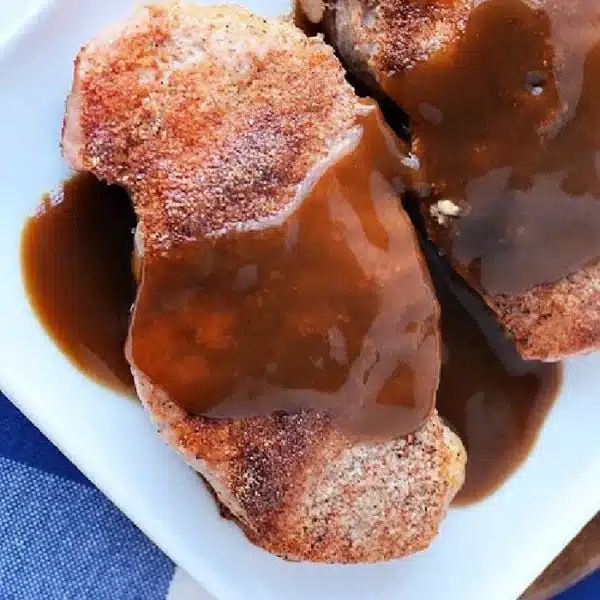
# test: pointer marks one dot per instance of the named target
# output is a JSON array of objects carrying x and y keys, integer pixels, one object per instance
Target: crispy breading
[
  {"x": 379, "y": 41},
  {"x": 211, "y": 117}
]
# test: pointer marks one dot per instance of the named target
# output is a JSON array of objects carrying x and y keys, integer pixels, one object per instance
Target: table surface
[
  {"x": 60, "y": 538},
  {"x": 578, "y": 560}
]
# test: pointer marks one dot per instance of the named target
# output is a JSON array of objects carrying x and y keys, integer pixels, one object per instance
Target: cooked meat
[
  {"x": 378, "y": 39},
  {"x": 173, "y": 106},
  {"x": 300, "y": 488},
  {"x": 502, "y": 127},
  {"x": 212, "y": 117}
]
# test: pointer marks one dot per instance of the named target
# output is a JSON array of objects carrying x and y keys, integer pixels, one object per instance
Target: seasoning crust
[{"x": 212, "y": 117}]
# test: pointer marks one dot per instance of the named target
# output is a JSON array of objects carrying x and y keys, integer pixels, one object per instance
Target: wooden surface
[{"x": 580, "y": 557}]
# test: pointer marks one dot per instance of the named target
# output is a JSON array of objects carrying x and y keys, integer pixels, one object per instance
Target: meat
[
  {"x": 502, "y": 99},
  {"x": 302, "y": 489},
  {"x": 380, "y": 38},
  {"x": 213, "y": 117}
]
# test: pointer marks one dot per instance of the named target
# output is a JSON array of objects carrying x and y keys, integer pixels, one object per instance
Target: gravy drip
[
  {"x": 75, "y": 257},
  {"x": 330, "y": 307},
  {"x": 496, "y": 401},
  {"x": 506, "y": 123}
]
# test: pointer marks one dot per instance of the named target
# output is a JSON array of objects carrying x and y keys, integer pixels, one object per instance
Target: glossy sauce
[
  {"x": 328, "y": 307},
  {"x": 495, "y": 401},
  {"x": 75, "y": 256},
  {"x": 506, "y": 123}
]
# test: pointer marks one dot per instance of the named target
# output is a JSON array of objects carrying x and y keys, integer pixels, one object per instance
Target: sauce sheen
[
  {"x": 506, "y": 123},
  {"x": 496, "y": 401},
  {"x": 493, "y": 399},
  {"x": 330, "y": 307},
  {"x": 76, "y": 264}
]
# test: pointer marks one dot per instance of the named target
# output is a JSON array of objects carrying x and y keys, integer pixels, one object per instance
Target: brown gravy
[
  {"x": 495, "y": 401},
  {"x": 328, "y": 307},
  {"x": 506, "y": 122},
  {"x": 75, "y": 257}
]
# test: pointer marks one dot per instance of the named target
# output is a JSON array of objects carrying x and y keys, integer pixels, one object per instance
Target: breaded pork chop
[
  {"x": 209, "y": 116},
  {"x": 212, "y": 117},
  {"x": 419, "y": 53},
  {"x": 301, "y": 488},
  {"x": 380, "y": 38}
]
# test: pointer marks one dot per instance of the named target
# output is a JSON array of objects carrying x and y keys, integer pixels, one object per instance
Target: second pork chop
[{"x": 502, "y": 100}]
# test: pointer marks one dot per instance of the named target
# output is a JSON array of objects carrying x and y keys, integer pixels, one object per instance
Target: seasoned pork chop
[
  {"x": 379, "y": 38},
  {"x": 301, "y": 488},
  {"x": 482, "y": 83},
  {"x": 212, "y": 117}
]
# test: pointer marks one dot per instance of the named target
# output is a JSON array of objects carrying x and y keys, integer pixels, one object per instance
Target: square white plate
[{"x": 487, "y": 552}]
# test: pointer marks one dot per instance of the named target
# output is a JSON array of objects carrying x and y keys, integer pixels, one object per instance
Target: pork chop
[
  {"x": 487, "y": 87},
  {"x": 212, "y": 117}
]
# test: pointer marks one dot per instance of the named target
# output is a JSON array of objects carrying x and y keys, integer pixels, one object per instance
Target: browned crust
[
  {"x": 300, "y": 488},
  {"x": 410, "y": 31},
  {"x": 254, "y": 459},
  {"x": 554, "y": 321},
  {"x": 231, "y": 140},
  {"x": 380, "y": 38},
  {"x": 205, "y": 152}
]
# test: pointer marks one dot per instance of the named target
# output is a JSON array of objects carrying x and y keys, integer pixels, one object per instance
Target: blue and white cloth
[{"x": 61, "y": 539}]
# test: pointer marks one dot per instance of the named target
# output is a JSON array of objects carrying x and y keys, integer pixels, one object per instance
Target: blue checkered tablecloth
[{"x": 61, "y": 539}]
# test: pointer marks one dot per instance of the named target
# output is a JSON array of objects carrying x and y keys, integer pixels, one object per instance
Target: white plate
[{"x": 487, "y": 552}]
